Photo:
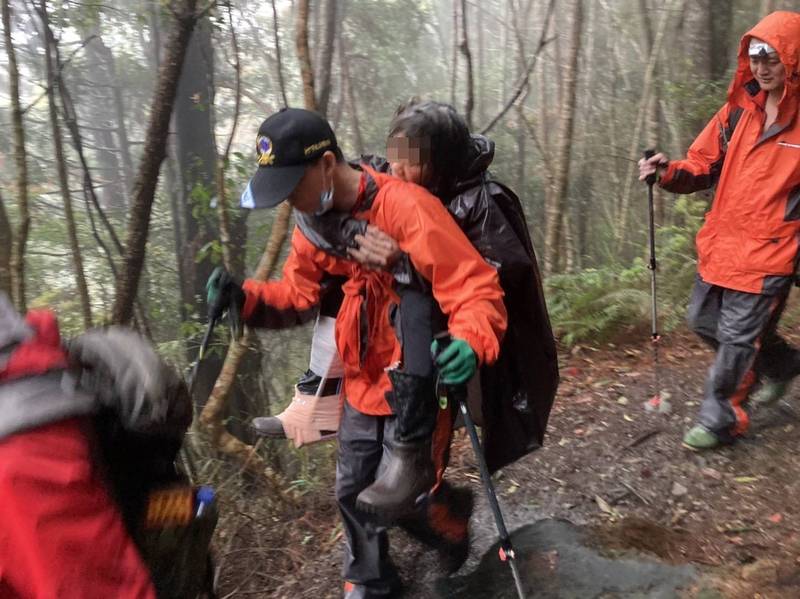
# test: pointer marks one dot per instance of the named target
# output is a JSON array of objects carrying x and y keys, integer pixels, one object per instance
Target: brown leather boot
[{"x": 407, "y": 471}]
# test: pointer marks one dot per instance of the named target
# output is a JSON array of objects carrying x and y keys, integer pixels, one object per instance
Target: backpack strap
[{"x": 727, "y": 132}]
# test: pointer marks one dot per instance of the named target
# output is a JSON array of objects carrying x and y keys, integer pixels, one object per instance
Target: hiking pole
[
  {"x": 188, "y": 464},
  {"x": 655, "y": 401},
  {"x": 201, "y": 354},
  {"x": 458, "y": 394},
  {"x": 507, "y": 554}
]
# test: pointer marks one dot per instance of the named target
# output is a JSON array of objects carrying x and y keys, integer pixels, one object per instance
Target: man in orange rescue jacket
[
  {"x": 299, "y": 160},
  {"x": 748, "y": 247}
]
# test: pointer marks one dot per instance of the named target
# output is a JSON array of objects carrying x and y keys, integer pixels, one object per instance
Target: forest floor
[{"x": 728, "y": 519}]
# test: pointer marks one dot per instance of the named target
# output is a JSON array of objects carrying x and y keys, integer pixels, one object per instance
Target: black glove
[{"x": 224, "y": 292}]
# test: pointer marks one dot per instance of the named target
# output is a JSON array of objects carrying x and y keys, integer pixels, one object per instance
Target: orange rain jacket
[
  {"x": 751, "y": 231},
  {"x": 465, "y": 286}
]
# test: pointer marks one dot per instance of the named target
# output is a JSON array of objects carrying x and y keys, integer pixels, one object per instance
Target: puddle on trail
[{"x": 557, "y": 561}]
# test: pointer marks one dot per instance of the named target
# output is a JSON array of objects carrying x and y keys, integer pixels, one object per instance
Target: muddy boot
[
  {"x": 407, "y": 471},
  {"x": 443, "y": 525}
]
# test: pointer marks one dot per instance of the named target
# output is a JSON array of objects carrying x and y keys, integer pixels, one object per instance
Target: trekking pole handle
[{"x": 650, "y": 179}]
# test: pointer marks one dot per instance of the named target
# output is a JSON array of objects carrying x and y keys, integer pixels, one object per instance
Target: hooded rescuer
[{"x": 747, "y": 249}]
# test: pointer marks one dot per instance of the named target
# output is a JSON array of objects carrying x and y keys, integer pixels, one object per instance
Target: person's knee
[{"x": 699, "y": 325}]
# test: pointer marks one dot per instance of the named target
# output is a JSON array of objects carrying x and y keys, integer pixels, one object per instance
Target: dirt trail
[{"x": 729, "y": 520}]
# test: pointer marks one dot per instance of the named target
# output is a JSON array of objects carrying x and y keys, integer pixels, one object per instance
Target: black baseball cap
[{"x": 287, "y": 143}]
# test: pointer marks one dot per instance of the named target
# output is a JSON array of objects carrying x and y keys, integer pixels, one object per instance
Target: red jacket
[
  {"x": 465, "y": 286},
  {"x": 751, "y": 231},
  {"x": 61, "y": 533}
]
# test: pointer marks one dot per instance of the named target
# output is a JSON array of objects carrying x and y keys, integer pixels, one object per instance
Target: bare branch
[{"x": 543, "y": 41}]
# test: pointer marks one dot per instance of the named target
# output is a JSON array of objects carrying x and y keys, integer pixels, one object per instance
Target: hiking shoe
[
  {"x": 699, "y": 438},
  {"x": 390, "y": 589},
  {"x": 769, "y": 392}
]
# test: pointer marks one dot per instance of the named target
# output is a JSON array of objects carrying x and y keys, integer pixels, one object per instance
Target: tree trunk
[
  {"x": 61, "y": 165},
  {"x": 720, "y": 23},
  {"x": 325, "y": 54},
  {"x": 222, "y": 160},
  {"x": 99, "y": 108},
  {"x": 652, "y": 121},
  {"x": 212, "y": 415},
  {"x": 523, "y": 82},
  {"x": 281, "y": 82},
  {"x": 555, "y": 211},
  {"x": 197, "y": 159},
  {"x": 304, "y": 55},
  {"x": 621, "y": 221},
  {"x": 17, "y": 263},
  {"x": 469, "y": 103},
  {"x": 172, "y": 187},
  {"x": 6, "y": 243},
  {"x": 454, "y": 47},
  {"x": 152, "y": 157},
  {"x": 352, "y": 107},
  {"x": 478, "y": 26},
  {"x": 121, "y": 128}
]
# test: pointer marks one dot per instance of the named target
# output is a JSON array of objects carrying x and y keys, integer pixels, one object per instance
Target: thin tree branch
[
  {"x": 281, "y": 82},
  {"x": 543, "y": 41},
  {"x": 63, "y": 64}
]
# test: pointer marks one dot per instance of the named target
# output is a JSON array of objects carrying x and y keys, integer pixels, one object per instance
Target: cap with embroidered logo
[{"x": 287, "y": 143}]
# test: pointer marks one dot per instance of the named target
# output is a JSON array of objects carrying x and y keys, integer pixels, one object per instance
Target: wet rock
[
  {"x": 557, "y": 560},
  {"x": 709, "y": 594}
]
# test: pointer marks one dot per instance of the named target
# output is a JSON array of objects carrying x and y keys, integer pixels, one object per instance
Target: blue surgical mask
[{"x": 325, "y": 202}]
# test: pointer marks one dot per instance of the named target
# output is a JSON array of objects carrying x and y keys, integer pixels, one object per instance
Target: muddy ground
[{"x": 616, "y": 471}]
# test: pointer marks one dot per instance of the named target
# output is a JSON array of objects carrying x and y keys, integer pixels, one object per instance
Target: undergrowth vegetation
[{"x": 604, "y": 303}]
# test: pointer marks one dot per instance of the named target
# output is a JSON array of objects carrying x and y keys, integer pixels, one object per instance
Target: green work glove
[
  {"x": 456, "y": 363},
  {"x": 223, "y": 292}
]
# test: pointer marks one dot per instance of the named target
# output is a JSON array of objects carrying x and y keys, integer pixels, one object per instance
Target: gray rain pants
[{"x": 741, "y": 327}]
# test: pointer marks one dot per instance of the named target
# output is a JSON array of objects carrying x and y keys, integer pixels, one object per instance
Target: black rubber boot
[
  {"x": 269, "y": 426},
  {"x": 407, "y": 471}
]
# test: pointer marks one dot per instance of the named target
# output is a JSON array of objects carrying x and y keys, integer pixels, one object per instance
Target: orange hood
[{"x": 781, "y": 30}]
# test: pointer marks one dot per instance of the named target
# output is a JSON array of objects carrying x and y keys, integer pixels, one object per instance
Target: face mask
[{"x": 325, "y": 202}]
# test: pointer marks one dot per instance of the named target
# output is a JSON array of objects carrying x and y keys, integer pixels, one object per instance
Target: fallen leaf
[
  {"x": 605, "y": 506},
  {"x": 711, "y": 473},
  {"x": 746, "y": 479},
  {"x": 678, "y": 515},
  {"x": 582, "y": 399},
  {"x": 776, "y": 518}
]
